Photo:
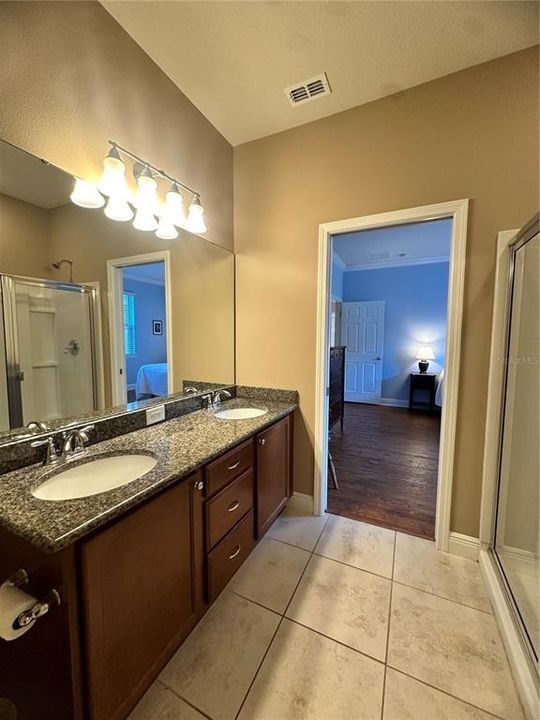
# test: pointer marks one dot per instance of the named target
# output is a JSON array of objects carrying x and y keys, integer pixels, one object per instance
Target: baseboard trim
[
  {"x": 464, "y": 546},
  {"x": 522, "y": 670},
  {"x": 302, "y": 502},
  {"x": 392, "y": 402}
]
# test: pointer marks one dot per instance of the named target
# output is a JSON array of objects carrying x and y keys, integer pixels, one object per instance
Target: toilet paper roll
[{"x": 13, "y": 601}]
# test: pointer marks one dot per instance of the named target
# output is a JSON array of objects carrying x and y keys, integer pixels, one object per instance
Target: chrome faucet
[
  {"x": 51, "y": 456},
  {"x": 217, "y": 397},
  {"x": 191, "y": 390},
  {"x": 74, "y": 441},
  {"x": 37, "y": 426}
]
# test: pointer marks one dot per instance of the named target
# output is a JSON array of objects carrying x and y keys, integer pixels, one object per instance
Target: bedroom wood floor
[{"x": 386, "y": 463}]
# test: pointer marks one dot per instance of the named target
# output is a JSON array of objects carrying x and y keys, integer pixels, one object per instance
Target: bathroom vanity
[{"x": 136, "y": 567}]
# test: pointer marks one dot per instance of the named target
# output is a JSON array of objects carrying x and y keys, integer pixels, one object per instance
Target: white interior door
[{"x": 362, "y": 332}]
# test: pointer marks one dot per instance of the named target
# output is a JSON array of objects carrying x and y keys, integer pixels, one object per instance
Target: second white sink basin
[
  {"x": 95, "y": 476},
  {"x": 240, "y": 413}
]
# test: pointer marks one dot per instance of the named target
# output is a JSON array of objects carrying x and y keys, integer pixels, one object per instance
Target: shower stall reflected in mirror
[
  {"x": 516, "y": 538},
  {"x": 48, "y": 353}
]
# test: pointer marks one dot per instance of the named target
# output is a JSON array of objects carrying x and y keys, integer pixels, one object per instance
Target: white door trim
[
  {"x": 457, "y": 210},
  {"x": 114, "y": 279}
]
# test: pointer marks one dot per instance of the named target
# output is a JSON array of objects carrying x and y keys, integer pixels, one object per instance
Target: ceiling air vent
[{"x": 308, "y": 90}]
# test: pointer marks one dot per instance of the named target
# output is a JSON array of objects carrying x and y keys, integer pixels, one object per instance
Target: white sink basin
[
  {"x": 240, "y": 413},
  {"x": 95, "y": 476}
]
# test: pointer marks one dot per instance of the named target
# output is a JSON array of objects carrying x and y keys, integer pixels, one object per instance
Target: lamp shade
[
  {"x": 86, "y": 195},
  {"x": 113, "y": 180},
  {"x": 195, "y": 221},
  {"x": 425, "y": 352}
]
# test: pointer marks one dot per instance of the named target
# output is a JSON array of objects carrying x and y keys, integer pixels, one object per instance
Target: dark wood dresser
[{"x": 336, "y": 400}]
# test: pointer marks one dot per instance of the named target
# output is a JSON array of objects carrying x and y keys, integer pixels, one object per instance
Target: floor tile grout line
[
  {"x": 333, "y": 639},
  {"x": 277, "y": 628},
  {"x": 258, "y": 668},
  {"x": 341, "y": 562},
  {"x": 388, "y": 626},
  {"x": 445, "y": 692},
  {"x": 443, "y": 597},
  {"x": 188, "y": 702},
  {"x": 255, "y": 602}
]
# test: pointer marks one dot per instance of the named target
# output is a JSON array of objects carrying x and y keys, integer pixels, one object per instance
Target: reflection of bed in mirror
[{"x": 151, "y": 380}]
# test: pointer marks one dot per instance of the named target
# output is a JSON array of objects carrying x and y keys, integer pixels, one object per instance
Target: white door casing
[{"x": 362, "y": 332}]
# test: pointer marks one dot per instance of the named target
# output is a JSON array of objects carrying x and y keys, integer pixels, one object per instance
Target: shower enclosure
[
  {"x": 511, "y": 546},
  {"x": 47, "y": 350}
]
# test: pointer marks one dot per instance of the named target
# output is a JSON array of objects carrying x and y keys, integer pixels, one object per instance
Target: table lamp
[{"x": 423, "y": 355}]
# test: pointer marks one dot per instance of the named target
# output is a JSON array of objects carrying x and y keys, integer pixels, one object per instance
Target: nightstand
[{"x": 423, "y": 384}]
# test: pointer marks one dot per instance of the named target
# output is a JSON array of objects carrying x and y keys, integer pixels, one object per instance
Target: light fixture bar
[{"x": 156, "y": 170}]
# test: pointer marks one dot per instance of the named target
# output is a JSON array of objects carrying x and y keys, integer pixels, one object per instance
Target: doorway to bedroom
[
  {"x": 140, "y": 327},
  {"x": 389, "y": 296}
]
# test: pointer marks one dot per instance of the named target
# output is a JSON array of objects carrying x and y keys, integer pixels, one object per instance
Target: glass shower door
[
  {"x": 517, "y": 523},
  {"x": 49, "y": 350}
]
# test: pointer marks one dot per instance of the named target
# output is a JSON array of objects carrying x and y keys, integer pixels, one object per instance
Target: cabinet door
[
  {"x": 273, "y": 473},
  {"x": 143, "y": 592}
]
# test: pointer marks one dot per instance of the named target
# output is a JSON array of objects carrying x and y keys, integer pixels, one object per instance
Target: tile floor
[{"x": 333, "y": 619}]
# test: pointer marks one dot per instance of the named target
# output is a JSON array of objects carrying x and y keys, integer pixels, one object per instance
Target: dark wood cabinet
[
  {"x": 422, "y": 389},
  {"x": 336, "y": 387},
  {"x": 273, "y": 479},
  {"x": 142, "y": 586},
  {"x": 133, "y": 590}
]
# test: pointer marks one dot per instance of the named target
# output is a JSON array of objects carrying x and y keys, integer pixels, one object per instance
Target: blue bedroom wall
[
  {"x": 415, "y": 314},
  {"x": 149, "y": 305},
  {"x": 337, "y": 280}
]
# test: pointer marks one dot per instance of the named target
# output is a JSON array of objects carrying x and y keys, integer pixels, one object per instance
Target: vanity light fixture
[
  {"x": 195, "y": 221},
  {"x": 149, "y": 214},
  {"x": 85, "y": 194}
]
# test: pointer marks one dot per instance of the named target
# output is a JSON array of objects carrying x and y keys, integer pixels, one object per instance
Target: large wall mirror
[{"x": 96, "y": 314}]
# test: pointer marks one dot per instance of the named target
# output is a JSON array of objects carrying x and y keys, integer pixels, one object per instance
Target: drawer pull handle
[
  {"x": 233, "y": 467},
  {"x": 233, "y": 506},
  {"x": 235, "y": 552}
]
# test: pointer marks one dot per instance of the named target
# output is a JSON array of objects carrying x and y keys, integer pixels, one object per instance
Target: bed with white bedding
[
  {"x": 439, "y": 393},
  {"x": 152, "y": 379}
]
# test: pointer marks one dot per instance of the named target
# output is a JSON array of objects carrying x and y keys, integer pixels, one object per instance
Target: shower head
[{"x": 58, "y": 263}]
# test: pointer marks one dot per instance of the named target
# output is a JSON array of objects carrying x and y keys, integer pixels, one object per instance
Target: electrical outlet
[{"x": 155, "y": 414}]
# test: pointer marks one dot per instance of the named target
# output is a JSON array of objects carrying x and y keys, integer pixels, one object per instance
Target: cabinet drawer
[
  {"x": 227, "y": 507},
  {"x": 228, "y": 467},
  {"x": 229, "y": 554}
]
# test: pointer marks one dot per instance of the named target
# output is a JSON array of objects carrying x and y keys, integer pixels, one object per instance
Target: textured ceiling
[
  {"x": 395, "y": 245},
  {"x": 233, "y": 59}
]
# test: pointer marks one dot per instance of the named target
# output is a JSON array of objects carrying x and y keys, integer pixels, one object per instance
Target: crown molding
[
  {"x": 338, "y": 262},
  {"x": 397, "y": 263}
]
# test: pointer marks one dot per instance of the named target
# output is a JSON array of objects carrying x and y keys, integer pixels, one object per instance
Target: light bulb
[
  {"x": 118, "y": 209},
  {"x": 144, "y": 220},
  {"x": 145, "y": 197},
  {"x": 166, "y": 230},
  {"x": 174, "y": 207},
  {"x": 113, "y": 180},
  {"x": 86, "y": 195},
  {"x": 195, "y": 221}
]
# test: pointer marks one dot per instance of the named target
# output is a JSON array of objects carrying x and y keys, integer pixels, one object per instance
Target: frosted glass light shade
[
  {"x": 166, "y": 230},
  {"x": 113, "y": 180},
  {"x": 195, "y": 221},
  {"x": 85, "y": 194},
  {"x": 425, "y": 352},
  {"x": 145, "y": 197},
  {"x": 174, "y": 207},
  {"x": 118, "y": 209},
  {"x": 144, "y": 220}
]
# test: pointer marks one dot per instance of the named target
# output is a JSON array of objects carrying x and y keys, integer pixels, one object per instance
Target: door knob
[{"x": 378, "y": 357}]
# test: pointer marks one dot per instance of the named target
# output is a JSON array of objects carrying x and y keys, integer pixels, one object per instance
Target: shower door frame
[
  {"x": 517, "y": 643},
  {"x": 11, "y": 338}
]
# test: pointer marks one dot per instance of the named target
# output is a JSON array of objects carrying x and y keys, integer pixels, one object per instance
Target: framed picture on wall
[{"x": 157, "y": 327}]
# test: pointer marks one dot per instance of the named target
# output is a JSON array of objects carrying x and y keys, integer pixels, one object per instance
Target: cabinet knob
[
  {"x": 199, "y": 485},
  {"x": 262, "y": 441}
]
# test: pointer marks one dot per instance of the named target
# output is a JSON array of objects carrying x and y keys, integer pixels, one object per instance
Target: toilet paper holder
[{"x": 40, "y": 607}]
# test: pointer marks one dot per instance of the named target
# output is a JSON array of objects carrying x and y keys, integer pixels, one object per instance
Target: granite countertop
[{"x": 180, "y": 446}]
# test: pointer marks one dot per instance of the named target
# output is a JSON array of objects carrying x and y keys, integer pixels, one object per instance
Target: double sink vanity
[{"x": 136, "y": 535}]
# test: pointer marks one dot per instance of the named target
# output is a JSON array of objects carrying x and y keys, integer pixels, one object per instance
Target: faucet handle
[
  {"x": 84, "y": 432},
  {"x": 51, "y": 455}
]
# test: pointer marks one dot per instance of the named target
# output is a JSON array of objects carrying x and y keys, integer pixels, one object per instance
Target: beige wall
[
  {"x": 24, "y": 238},
  {"x": 72, "y": 79},
  {"x": 472, "y": 135}
]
